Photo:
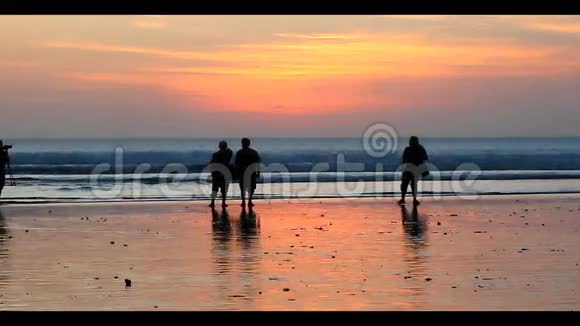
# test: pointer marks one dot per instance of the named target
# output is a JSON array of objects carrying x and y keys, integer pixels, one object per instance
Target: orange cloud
[
  {"x": 569, "y": 28},
  {"x": 322, "y": 36},
  {"x": 149, "y": 24},
  {"x": 321, "y": 72}
]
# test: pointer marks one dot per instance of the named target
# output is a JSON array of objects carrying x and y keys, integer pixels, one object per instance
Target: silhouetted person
[
  {"x": 4, "y": 161},
  {"x": 247, "y": 169},
  {"x": 414, "y": 157},
  {"x": 221, "y": 172}
]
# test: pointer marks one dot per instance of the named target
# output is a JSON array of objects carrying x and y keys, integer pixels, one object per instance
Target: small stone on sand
[
  {"x": 428, "y": 279},
  {"x": 127, "y": 282},
  {"x": 112, "y": 242},
  {"x": 285, "y": 289}
]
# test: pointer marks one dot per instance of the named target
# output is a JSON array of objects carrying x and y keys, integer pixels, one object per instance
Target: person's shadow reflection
[
  {"x": 3, "y": 250},
  {"x": 413, "y": 225},
  {"x": 248, "y": 227},
  {"x": 236, "y": 256},
  {"x": 414, "y": 252}
]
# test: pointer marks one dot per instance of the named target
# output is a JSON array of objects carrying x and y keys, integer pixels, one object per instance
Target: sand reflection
[{"x": 236, "y": 257}]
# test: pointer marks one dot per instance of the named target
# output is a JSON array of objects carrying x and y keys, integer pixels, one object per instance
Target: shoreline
[{"x": 429, "y": 197}]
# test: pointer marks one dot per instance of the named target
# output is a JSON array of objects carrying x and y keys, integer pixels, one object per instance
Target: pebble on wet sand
[
  {"x": 438, "y": 223},
  {"x": 285, "y": 289},
  {"x": 112, "y": 242},
  {"x": 128, "y": 282},
  {"x": 428, "y": 279}
]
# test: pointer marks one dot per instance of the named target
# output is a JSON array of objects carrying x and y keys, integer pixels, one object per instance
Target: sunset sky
[{"x": 279, "y": 76}]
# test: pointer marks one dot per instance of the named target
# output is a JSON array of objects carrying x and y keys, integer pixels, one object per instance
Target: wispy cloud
[
  {"x": 147, "y": 24},
  {"x": 568, "y": 28},
  {"x": 345, "y": 55},
  {"x": 100, "y": 47},
  {"x": 428, "y": 18},
  {"x": 321, "y": 36}
]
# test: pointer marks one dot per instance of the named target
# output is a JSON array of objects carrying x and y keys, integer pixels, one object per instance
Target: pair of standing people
[{"x": 246, "y": 169}]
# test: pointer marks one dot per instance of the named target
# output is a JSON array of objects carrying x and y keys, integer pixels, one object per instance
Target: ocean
[{"x": 56, "y": 170}]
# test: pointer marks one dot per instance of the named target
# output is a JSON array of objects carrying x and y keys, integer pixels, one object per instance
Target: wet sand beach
[{"x": 493, "y": 253}]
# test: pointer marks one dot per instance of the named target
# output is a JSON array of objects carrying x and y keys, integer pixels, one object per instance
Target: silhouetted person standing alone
[
  {"x": 247, "y": 164},
  {"x": 414, "y": 157},
  {"x": 4, "y": 161},
  {"x": 221, "y": 172}
]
